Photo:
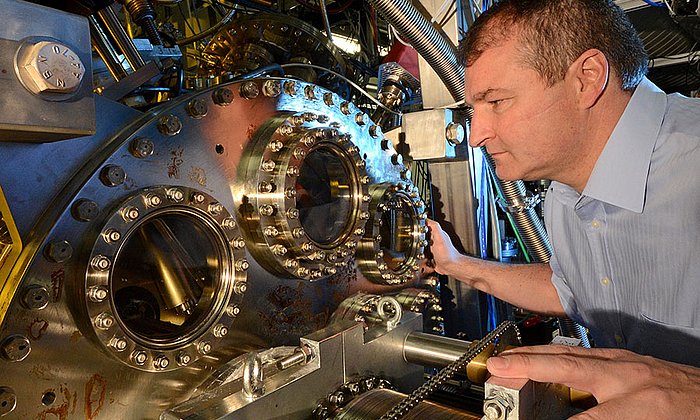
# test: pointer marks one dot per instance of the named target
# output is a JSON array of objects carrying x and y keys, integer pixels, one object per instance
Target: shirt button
[
  {"x": 595, "y": 224},
  {"x": 605, "y": 281},
  {"x": 618, "y": 339}
]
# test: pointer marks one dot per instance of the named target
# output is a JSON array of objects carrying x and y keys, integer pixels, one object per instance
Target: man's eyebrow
[{"x": 480, "y": 96}]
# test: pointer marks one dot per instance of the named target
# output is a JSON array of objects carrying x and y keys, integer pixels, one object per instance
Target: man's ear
[{"x": 588, "y": 75}]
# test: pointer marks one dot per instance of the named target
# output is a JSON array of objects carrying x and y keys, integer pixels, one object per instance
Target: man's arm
[
  {"x": 528, "y": 286},
  {"x": 626, "y": 385}
]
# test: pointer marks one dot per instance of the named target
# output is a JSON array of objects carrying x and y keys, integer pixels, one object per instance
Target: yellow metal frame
[{"x": 9, "y": 254}]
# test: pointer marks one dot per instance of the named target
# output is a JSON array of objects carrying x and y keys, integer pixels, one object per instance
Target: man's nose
[{"x": 481, "y": 129}]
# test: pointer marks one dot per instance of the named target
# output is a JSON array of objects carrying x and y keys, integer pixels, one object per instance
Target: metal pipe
[
  {"x": 111, "y": 23},
  {"x": 326, "y": 22},
  {"x": 437, "y": 50},
  {"x": 105, "y": 50},
  {"x": 432, "y": 350},
  {"x": 211, "y": 31}
]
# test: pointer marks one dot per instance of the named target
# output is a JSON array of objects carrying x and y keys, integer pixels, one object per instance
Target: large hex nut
[{"x": 52, "y": 67}]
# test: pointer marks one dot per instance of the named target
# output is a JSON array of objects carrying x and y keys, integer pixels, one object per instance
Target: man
[{"x": 559, "y": 93}]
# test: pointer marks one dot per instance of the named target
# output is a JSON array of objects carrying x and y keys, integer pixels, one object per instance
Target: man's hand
[
  {"x": 626, "y": 385},
  {"x": 444, "y": 253}
]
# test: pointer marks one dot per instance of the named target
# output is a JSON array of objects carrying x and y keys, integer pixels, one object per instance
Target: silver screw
[
  {"x": 169, "y": 125},
  {"x": 222, "y": 96},
  {"x": 97, "y": 294},
  {"x": 139, "y": 357},
  {"x": 197, "y": 108},
  {"x": 58, "y": 251},
  {"x": 16, "y": 348},
  {"x": 204, "y": 347},
  {"x": 84, "y": 210},
  {"x": 112, "y": 175},
  {"x": 272, "y": 88},
  {"x": 35, "y": 297},
  {"x": 104, "y": 321},
  {"x": 141, "y": 147},
  {"x": 161, "y": 362},
  {"x": 52, "y": 67},
  {"x": 249, "y": 90},
  {"x": 183, "y": 359},
  {"x": 8, "y": 400}
]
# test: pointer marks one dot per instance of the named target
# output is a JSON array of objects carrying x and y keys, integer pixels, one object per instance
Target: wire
[
  {"x": 655, "y": 4},
  {"x": 350, "y": 82}
]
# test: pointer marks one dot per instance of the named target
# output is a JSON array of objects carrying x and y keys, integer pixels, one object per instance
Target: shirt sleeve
[{"x": 566, "y": 297}]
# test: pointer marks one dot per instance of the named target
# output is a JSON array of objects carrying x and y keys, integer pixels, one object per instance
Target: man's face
[{"x": 526, "y": 126}]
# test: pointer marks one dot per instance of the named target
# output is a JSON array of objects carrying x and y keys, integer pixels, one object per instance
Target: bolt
[
  {"x": 97, "y": 294},
  {"x": 112, "y": 175},
  {"x": 141, "y": 147},
  {"x": 52, "y": 67},
  {"x": 198, "y": 198},
  {"x": 396, "y": 159},
  {"x": 238, "y": 243},
  {"x": 197, "y": 108},
  {"x": 139, "y": 357},
  {"x": 35, "y": 297},
  {"x": 360, "y": 118},
  {"x": 204, "y": 347},
  {"x": 228, "y": 223},
  {"x": 215, "y": 208},
  {"x": 100, "y": 263},
  {"x": 118, "y": 344},
  {"x": 290, "y": 192},
  {"x": 290, "y": 87},
  {"x": 292, "y": 171},
  {"x": 309, "y": 93},
  {"x": 299, "y": 153},
  {"x": 272, "y": 88},
  {"x": 290, "y": 263},
  {"x": 129, "y": 214},
  {"x": 222, "y": 96},
  {"x": 276, "y": 145},
  {"x": 298, "y": 232},
  {"x": 266, "y": 210},
  {"x": 268, "y": 165},
  {"x": 292, "y": 213},
  {"x": 345, "y": 108},
  {"x": 242, "y": 264},
  {"x": 302, "y": 271},
  {"x": 492, "y": 411},
  {"x": 233, "y": 310},
  {"x": 161, "y": 362},
  {"x": 152, "y": 200},
  {"x": 220, "y": 330},
  {"x": 278, "y": 249},
  {"x": 58, "y": 251},
  {"x": 8, "y": 400},
  {"x": 175, "y": 194},
  {"x": 169, "y": 125},
  {"x": 249, "y": 90},
  {"x": 454, "y": 133},
  {"x": 183, "y": 359},
  {"x": 385, "y": 144},
  {"x": 240, "y": 287},
  {"x": 16, "y": 348},
  {"x": 84, "y": 210},
  {"x": 104, "y": 321},
  {"x": 328, "y": 99}
]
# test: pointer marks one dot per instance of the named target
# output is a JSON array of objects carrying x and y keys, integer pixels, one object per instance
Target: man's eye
[{"x": 496, "y": 101}]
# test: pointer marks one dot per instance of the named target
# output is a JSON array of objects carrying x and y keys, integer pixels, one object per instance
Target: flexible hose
[{"x": 436, "y": 49}]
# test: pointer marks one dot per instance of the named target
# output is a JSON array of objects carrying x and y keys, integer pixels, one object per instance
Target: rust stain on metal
[
  {"x": 37, "y": 328},
  {"x": 57, "y": 278},
  {"x": 198, "y": 175},
  {"x": 176, "y": 161},
  {"x": 250, "y": 131},
  {"x": 44, "y": 372},
  {"x": 60, "y": 411},
  {"x": 75, "y": 337},
  {"x": 95, "y": 390}
]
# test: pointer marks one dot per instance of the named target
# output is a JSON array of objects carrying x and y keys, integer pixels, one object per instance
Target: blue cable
[{"x": 653, "y": 3}]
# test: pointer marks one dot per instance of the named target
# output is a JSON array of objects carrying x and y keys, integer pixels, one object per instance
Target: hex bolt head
[
  {"x": 104, "y": 321},
  {"x": 240, "y": 287},
  {"x": 15, "y": 348},
  {"x": 290, "y": 87},
  {"x": 118, "y": 344},
  {"x": 161, "y": 362},
  {"x": 175, "y": 194},
  {"x": 97, "y": 294},
  {"x": 129, "y": 214},
  {"x": 396, "y": 159},
  {"x": 84, "y": 210},
  {"x": 58, "y": 251},
  {"x": 112, "y": 175},
  {"x": 183, "y": 359},
  {"x": 328, "y": 99},
  {"x": 100, "y": 263},
  {"x": 454, "y": 133},
  {"x": 169, "y": 125},
  {"x": 215, "y": 209},
  {"x": 35, "y": 297},
  {"x": 197, "y": 108},
  {"x": 360, "y": 118},
  {"x": 220, "y": 330},
  {"x": 8, "y": 400},
  {"x": 233, "y": 310},
  {"x": 141, "y": 147},
  {"x": 222, "y": 96},
  {"x": 345, "y": 108},
  {"x": 309, "y": 93},
  {"x": 139, "y": 357},
  {"x": 204, "y": 347},
  {"x": 272, "y": 88},
  {"x": 249, "y": 90},
  {"x": 51, "y": 67}
]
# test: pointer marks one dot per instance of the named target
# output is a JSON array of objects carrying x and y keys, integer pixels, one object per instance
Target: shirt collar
[{"x": 620, "y": 173}]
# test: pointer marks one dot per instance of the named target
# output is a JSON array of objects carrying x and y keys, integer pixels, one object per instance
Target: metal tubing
[
  {"x": 432, "y": 350},
  {"x": 105, "y": 50},
  {"x": 124, "y": 43}
]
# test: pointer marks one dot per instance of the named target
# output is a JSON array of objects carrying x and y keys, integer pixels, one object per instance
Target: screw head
[
  {"x": 104, "y": 321},
  {"x": 204, "y": 347},
  {"x": 272, "y": 88},
  {"x": 454, "y": 133},
  {"x": 8, "y": 400},
  {"x": 169, "y": 125},
  {"x": 222, "y": 96},
  {"x": 97, "y": 294},
  {"x": 183, "y": 359},
  {"x": 52, "y": 67},
  {"x": 197, "y": 108},
  {"x": 250, "y": 90},
  {"x": 58, "y": 251},
  {"x": 141, "y": 147},
  {"x": 161, "y": 362},
  {"x": 139, "y": 357},
  {"x": 35, "y": 297},
  {"x": 16, "y": 348},
  {"x": 290, "y": 88},
  {"x": 84, "y": 210},
  {"x": 112, "y": 175}
]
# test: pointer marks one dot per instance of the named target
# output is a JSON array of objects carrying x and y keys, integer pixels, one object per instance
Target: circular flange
[
  {"x": 165, "y": 278},
  {"x": 393, "y": 243},
  {"x": 308, "y": 206}
]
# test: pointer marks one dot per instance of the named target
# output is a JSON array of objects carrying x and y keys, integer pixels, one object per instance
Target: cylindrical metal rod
[
  {"x": 433, "y": 350},
  {"x": 106, "y": 51},
  {"x": 124, "y": 43}
]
